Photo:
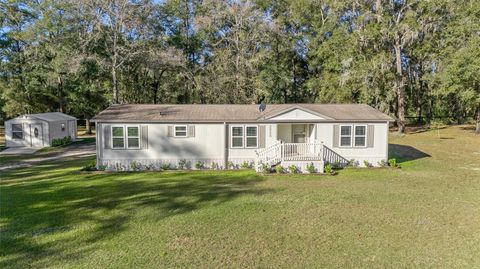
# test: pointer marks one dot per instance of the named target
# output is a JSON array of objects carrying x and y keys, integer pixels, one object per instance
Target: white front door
[
  {"x": 36, "y": 134},
  {"x": 71, "y": 129}
]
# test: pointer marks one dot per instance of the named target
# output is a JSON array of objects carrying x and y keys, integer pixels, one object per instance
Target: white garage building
[{"x": 38, "y": 130}]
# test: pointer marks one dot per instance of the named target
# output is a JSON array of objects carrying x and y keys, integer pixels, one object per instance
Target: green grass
[{"x": 426, "y": 214}]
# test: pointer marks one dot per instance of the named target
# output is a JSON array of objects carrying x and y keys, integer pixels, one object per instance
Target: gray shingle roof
[
  {"x": 48, "y": 116},
  {"x": 233, "y": 113}
]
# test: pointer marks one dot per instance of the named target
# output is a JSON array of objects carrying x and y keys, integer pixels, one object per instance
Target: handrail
[
  {"x": 332, "y": 157},
  {"x": 278, "y": 152}
]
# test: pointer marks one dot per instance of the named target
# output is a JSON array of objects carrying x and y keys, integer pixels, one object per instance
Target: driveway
[
  {"x": 19, "y": 150},
  {"x": 73, "y": 151}
]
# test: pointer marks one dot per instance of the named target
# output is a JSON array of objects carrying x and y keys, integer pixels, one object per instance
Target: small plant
[
  {"x": 353, "y": 163},
  {"x": 230, "y": 165},
  {"x": 182, "y": 164},
  {"x": 200, "y": 165},
  {"x": 149, "y": 167},
  {"x": 279, "y": 169},
  {"x": 393, "y": 163},
  {"x": 265, "y": 168},
  {"x": 328, "y": 169},
  {"x": 58, "y": 142},
  {"x": 214, "y": 166},
  {"x": 166, "y": 166},
  {"x": 246, "y": 165},
  {"x": 367, "y": 164},
  {"x": 119, "y": 167},
  {"x": 382, "y": 163},
  {"x": 136, "y": 166},
  {"x": 293, "y": 169},
  {"x": 91, "y": 166},
  {"x": 311, "y": 168}
]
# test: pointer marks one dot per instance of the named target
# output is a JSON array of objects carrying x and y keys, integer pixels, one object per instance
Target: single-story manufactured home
[
  {"x": 227, "y": 136},
  {"x": 38, "y": 130}
]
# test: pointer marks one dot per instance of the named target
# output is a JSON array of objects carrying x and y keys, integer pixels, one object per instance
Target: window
[
  {"x": 180, "y": 130},
  {"x": 118, "y": 140},
  {"x": 63, "y": 127},
  {"x": 17, "y": 131},
  {"x": 237, "y": 136},
  {"x": 345, "y": 136},
  {"x": 133, "y": 139},
  {"x": 244, "y": 136},
  {"x": 360, "y": 135},
  {"x": 251, "y": 136}
]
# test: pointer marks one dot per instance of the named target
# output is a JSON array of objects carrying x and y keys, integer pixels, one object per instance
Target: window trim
[
  {"x": 232, "y": 136},
  {"x": 340, "y": 135},
  {"x": 112, "y": 136},
  {"x": 127, "y": 136},
  {"x": 246, "y": 136},
  {"x": 175, "y": 131},
  {"x": 22, "y": 131},
  {"x": 355, "y": 135}
]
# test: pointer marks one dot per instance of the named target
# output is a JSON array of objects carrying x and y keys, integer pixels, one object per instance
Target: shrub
[
  {"x": 91, "y": 166},
  {"x": 311, "y": 168},
  {"x": 328, "y": 169},
  {"x": 353, "y": 163},
  {"x": 382, "y": 163},
  {"x": 136, "y": 166},
  {"x": 367, "y": 164},
  {"x": 149, "y": 167},
  {"x": 230, "y": 165},
  {"x": 246, "y": 165},
  {"x": 119, "y": 167},
  {"x": 200, "y": 165},
  {"x": 58, "y": 142},
  {"x": 293, "y": 169},
  {"x": 279, "y": 169},
  {"x": 182, "y": 164},
  {"x": 214, "y": 166},
  {"x": 393, "y": 163},
  {"x": 265, "y": 168},
  {"x": 166, "y": 166}
]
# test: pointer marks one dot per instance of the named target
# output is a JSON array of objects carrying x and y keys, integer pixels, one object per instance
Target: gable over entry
[{"x": 296, "y": 114}]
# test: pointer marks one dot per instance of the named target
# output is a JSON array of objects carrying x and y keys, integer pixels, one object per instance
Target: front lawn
[{"x": 426, "y": 214}]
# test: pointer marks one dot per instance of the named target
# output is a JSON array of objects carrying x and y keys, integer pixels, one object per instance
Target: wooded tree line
[{"x": 404, "y": 57}]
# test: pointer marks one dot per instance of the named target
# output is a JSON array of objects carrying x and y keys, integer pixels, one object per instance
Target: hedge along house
[
  {"x": 229, "y": 135},
  {"x": 38, "y": 130}
]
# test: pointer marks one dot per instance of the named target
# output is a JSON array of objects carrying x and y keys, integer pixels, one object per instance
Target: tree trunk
[
  {"x": 88, "y": 128},
  {"x": 477, "y": 130},
  {"x": 399, "y": 87},
  {"x": 61, "y": 95},
  {"x": 114, "y": 86}
]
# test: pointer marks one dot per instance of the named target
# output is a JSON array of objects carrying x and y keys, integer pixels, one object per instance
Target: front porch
[{"x": 297, "y": 144}]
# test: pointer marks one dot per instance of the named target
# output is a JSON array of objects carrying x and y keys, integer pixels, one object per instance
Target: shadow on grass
[
  {"x": 404, "y": 153},
  {"x": 40, "y": 206}
]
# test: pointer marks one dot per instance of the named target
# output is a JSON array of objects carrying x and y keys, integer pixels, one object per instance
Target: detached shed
[{"x": 38, "y": 130}]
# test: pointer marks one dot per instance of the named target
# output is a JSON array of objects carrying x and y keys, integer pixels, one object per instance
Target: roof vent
[{"x": 262, "y": 106}]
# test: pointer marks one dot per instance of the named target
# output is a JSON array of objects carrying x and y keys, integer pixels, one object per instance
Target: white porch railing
[{"x": 278, "y": 152}]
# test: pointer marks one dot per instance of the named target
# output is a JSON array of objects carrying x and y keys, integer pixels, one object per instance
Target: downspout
[{"x": 225, "y": 153}]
